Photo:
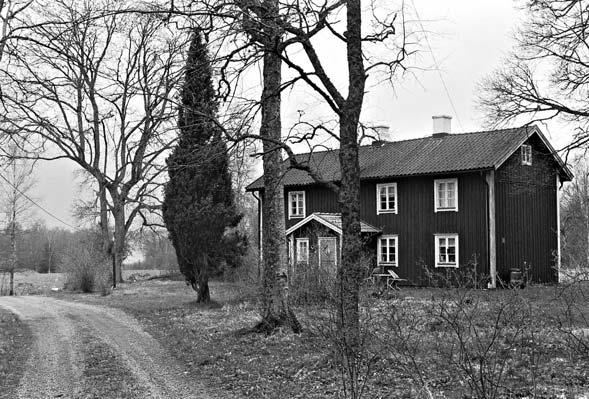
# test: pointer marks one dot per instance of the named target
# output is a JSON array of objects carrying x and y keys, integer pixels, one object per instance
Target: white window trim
[
  {"x": 290, "y": 214},
  {"x": 379, "y": 250},
  {"x": 437, "y": 250},
  {"x": 298, "y": 241},
  {"x": 525, "y": 160},
  {"x": 379, "y": 210},
  {"x": 436, "y": 182}
]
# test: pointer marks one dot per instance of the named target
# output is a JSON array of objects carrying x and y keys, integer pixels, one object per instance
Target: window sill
[
  {"x": 385, "y": 211},
  {"x": 445, "y": 210},
  {"x": 452, "y": 265},
  {"x": 296, "y": 217},
  {"x": 387, "y": 264}
]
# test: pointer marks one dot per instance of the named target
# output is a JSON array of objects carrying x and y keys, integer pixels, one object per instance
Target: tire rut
[{"x": 55, "y": 366}]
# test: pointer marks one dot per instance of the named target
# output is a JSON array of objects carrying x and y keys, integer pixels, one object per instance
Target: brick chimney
[{"x": 442, "y": 125}]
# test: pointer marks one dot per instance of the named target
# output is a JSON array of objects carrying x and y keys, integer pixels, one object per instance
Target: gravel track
[{"x": 56, "y": 363}]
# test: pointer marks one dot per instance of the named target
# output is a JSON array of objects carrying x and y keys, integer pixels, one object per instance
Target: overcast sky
[{"x": 469, "y": 38}]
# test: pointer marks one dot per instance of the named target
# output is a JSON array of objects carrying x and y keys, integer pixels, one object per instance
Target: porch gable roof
[{"x": 332, "y": 221}]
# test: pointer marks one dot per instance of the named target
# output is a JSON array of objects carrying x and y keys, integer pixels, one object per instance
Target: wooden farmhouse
[{"x": 486, "y": 199}]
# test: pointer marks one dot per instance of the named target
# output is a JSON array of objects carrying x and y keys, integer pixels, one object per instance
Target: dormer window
[
  {"x": 386, "y": 198},
  {"x": 296, "y": 204},
  {"x": 526, "y": 154}
]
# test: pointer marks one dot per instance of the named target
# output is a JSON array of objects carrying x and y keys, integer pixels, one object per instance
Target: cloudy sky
[{"x": 469, "y": 39}]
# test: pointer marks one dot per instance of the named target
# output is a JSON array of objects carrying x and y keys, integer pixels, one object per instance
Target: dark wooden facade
[
  {"x": 524, "y": 221},
  {"x": 527, "y": 215},
  {"x": 416, "y": 223}
]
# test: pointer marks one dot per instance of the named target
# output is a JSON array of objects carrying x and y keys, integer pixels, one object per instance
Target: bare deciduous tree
[
  {"x": 97, "y": 90},
  {"x": 547, "y": 75},
  {"x": 17, "y": 182}
]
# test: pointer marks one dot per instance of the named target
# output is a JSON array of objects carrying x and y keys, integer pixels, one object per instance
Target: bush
[{"x": 87, "y": 270}]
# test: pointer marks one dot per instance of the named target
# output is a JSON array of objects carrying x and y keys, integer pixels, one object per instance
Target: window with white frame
[
  {"x": 302, "y": 245},
  {"x": 526, "y": 154},
  {"x": 296, "y": 204},
  {"x": 387, "y": 249},
  {"x": 446, "y": 250},
  {"x": 386, "y": 198},
  {"x": 445, "y": 195}
]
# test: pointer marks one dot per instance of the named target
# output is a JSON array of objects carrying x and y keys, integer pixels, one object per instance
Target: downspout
[
  {"x": 260, "y": 252},
  {"x": 558, "y": 249},
  {"x": 491, "y": 227}
]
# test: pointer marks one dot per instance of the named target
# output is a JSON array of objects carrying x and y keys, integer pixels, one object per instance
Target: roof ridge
[{"x": 387, "y": 143}]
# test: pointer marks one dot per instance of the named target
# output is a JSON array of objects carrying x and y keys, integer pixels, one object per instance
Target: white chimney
[
  {"x": 383, "y": 133},
  {"x": 442, "y": 125}
]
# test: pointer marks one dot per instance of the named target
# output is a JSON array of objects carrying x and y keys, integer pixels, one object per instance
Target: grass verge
[{"x": 15, "y": 345}]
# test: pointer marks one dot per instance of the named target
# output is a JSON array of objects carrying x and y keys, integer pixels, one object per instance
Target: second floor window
[
  {"x": 446, "y": 195},
  {"x": 296, "y": 204},
  {"x": 386, "y": 198},
  {"x": 526, "y": 152}
]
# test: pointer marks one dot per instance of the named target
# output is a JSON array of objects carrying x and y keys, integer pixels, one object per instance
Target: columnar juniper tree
[{"x": 199, "y": 205}]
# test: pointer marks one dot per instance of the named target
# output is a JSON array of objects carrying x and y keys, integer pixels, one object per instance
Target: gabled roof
[
  {"x": 332, "y": 221},
  {"x": 422, "y": 156}
]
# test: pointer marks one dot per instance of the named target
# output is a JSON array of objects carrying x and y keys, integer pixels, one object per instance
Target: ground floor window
[
  {"x": 446, "y": 250},
  {"x": 302, "y": 248},
  {"x": 388, "y": 250}
]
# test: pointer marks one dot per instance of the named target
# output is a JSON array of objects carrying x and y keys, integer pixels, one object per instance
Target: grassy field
[{"x": 420, "y": 342}]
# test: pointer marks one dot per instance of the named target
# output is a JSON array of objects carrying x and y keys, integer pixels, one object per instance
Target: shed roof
[
  {"x": 333, "y": 221},
  {"x": 422, "y": 156}
]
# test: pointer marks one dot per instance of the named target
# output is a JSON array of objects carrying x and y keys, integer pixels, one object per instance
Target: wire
[
  {"x": 437, "y": 65},
  {"x": 36, "y": 203}
]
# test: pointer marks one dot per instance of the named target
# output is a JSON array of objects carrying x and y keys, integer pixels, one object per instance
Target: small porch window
[
  {"x": 388, "y": 250},
  {"x": 446, "y": 250},
  {"x": 302, "y": 248}
]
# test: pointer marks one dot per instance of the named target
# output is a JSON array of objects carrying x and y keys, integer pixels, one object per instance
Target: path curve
[{"x": 55, "y": 366}]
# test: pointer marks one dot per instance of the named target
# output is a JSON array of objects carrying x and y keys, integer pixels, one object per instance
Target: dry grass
[{"x": 211, "y": 342}]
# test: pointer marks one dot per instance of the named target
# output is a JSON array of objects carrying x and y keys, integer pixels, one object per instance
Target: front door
[{"x": 327, "y": 252}]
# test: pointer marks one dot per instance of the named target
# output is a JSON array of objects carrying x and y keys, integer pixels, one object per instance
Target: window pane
[
  {"x": 391, "y": 203},
  {"x": 383, "y": 203},
  {"x": 384, "y": 250},
  {"x": 452, "y": 255}
]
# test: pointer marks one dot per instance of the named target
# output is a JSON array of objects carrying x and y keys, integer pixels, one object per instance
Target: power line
[
  {"x": 36, "y": 203},
  {"x": 437, "y": 65}
]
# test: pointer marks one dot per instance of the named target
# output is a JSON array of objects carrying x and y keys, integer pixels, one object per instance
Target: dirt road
[{"x": 56, "y": 365}]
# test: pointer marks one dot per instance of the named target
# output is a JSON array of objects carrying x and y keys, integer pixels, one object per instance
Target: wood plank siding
[
  {"x": 416, "y": 223},
  {"x": 526, "y": 214}
]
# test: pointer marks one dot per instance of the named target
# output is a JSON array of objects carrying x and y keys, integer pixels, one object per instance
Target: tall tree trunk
[
  {"x": 276, "y": 308},
  {"x": 13, "y": 205},
  {"x": 203, "y": 294},
  {"x": 350, "y": 272},
  {"x": 118, "y": 248},
  {"x": 107, "y": 240}
]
